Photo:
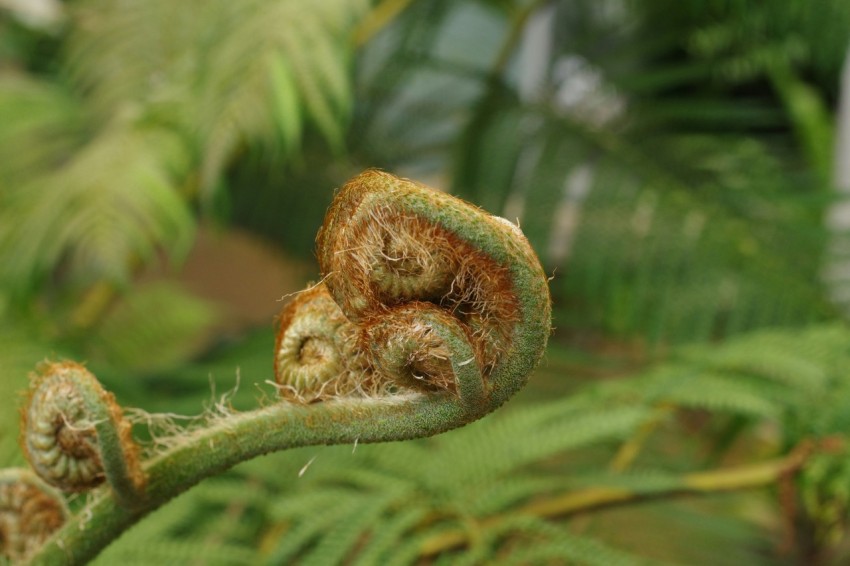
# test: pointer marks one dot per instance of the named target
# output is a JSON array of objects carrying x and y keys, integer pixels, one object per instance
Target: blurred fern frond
[
  {"x": 154, "y": 329},
  {"x": 113, "y": 203},
  {"x": 42, "y": 124},
  {"x": 646, "y": 192},
  {"x": 677, "y": 202},
  {"x": 217, "y": 71},
  {"x": 487, "y": 492},
  {"x": 153, "y": 102}
]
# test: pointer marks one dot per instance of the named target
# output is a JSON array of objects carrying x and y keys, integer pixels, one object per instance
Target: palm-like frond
[
  {"x": 218, "y": 71},
  {"x": 115, "y": 202}
]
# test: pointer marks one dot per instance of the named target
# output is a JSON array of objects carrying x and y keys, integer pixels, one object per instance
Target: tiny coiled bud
[
  {"x": 74, "y": 435},
  {"x": 316, "y": 354},
  {"x": 30, "y": 512},
  {"x": 404, "y": 347}
]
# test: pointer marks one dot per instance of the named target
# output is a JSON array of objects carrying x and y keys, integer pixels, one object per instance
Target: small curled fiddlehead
[
  {"x": 30, "y": 511},
  {"x": 74, "y": 434},
  {"x": 420, "y": 347},
  {"x": 316, "y": 354}
]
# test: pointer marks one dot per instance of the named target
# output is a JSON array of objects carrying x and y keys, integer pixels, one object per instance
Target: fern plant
[
  {"x": 668, "y": 161},
  {"x": 431, "y": 314}
]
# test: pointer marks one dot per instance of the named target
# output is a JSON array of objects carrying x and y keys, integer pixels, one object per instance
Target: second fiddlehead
[
  {"x": 30, "y": 512},
  {"x": 430, "y": 314},
  {"x": 75, "y": 436}
]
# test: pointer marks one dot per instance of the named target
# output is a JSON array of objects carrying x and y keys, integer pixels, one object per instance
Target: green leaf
[{"x": 153, "y": 328}]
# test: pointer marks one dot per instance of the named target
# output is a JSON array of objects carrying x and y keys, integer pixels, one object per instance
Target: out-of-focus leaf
[
  {"x": 207, "y": 71},
  {"x": 113, "y": 203},
  {"x": 153, "y": 329}
]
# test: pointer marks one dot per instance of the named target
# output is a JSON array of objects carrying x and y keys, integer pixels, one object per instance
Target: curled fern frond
[
  {"x": 30, "y": 511},
  {"x": 74, "y": 434},
  {"x": 316, "y": 351},
  {"x": 388, "y": 242},
  {"x": 430, "y": 315}
]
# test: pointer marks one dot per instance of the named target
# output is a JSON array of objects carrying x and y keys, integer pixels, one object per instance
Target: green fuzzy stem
[
  {"x": 241, "y": 437},
  {"x": 114, "y": 451}
]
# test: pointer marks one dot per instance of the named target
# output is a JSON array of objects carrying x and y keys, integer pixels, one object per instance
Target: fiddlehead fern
[
  {"x": 30, "y": 511},
  {"x": 388, "y": 241},
  {"x": 316, "y": 355},
  {"x": 430, "y": 315},
  {"x": 74, "y": 434}
]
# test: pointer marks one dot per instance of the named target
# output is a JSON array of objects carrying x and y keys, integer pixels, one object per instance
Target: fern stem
[
  {"x": 631, "y": 448},
  {"x": 593, "y": 498},
  {"x": 520, "y": 18},
  {"x": 239, "y": 437},
  {"x": 380, "y": 17}
]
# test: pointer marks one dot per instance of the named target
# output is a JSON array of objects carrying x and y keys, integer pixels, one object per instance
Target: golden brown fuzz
[
  {"x": 407, "y": 352},
  {"x": 377, "y": 253},
  {"x": 316, "y": 354}
]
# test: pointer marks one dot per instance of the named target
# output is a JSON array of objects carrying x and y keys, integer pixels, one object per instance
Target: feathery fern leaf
[
  {"x": 565, "y": 547},
  {"x": 388, "y": 533},
  {"x": 114, "y": 201},
  {"x": 42, "y": 124},
  {"x": 218, "y": 72}
]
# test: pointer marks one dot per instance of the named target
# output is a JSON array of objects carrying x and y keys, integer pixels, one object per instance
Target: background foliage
[{"x": 672, "y": 163}]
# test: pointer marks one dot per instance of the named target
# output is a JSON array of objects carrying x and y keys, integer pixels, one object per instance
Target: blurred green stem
[
  {"x": 93, "y": 305},
  {"x": 380, "y": 17},
  {"x": 810, "y": 118},
  {"x": 231, "y": 439},
  {"x": 514, "y": 35},
  {"x": 631, "y": 448},
  {"x": 593, "y": 498}
]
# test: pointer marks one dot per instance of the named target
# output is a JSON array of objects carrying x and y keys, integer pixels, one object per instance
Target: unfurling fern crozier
[
  {"x": 430, "y": 313},
  {"x": 404, "y": 264},
  {"x": 74, "y": 435}
]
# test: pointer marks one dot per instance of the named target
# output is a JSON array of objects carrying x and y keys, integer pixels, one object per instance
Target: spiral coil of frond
[
  {"x": 74, "y": 435},
  {"x": 316, "y": 354},
  {"x": 390, "y": 248},
  {"x": 30, "y": 511}
]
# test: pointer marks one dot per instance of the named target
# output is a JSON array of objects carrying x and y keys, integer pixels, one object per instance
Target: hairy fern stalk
[{"x": 430, "y": 314}]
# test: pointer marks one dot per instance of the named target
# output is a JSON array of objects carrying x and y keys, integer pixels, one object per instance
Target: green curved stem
[
  {"x": 120, "y": 466},
  {"x": 243, "y": 436},
  {"x": 482, "y": 382}
]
